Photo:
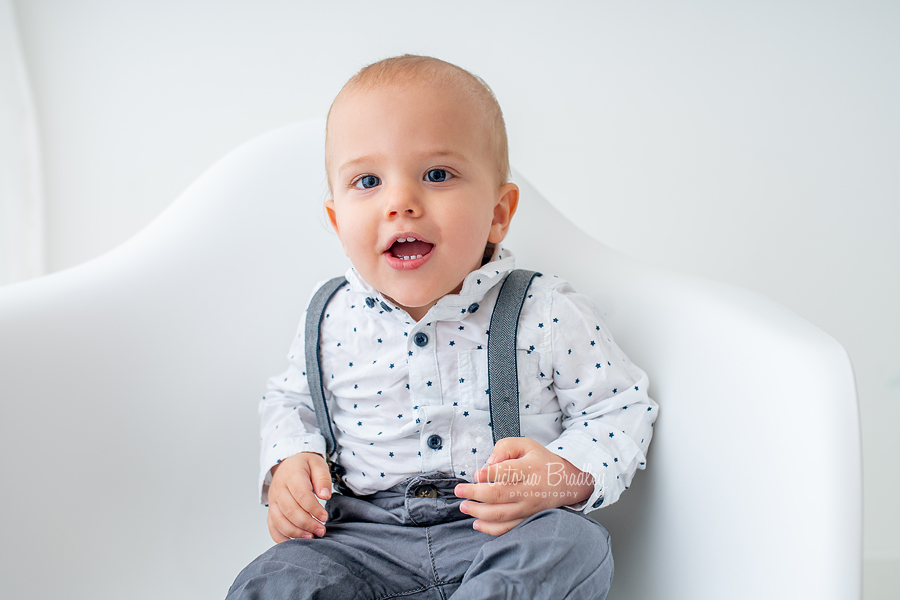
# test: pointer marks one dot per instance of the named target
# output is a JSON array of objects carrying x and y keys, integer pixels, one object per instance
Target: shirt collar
[{"x": 452, "y": 306}]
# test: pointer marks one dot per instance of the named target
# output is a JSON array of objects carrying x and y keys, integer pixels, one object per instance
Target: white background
[{"x": 757, "y": 144}]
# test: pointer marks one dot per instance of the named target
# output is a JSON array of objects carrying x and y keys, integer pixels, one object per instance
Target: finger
[
  {"x": 311, "y": 504},
  {"x": 465, "y": 490},
  {"x": 513, "y": 470},
  {"x": 277, "y": 536},
  {"x": 482, "y": 492},
  {"x": 502, "y": 512},
  {"x": 292, "y": 520},
  {"x": 281, "y": 529},
  {"x": 487, "y": 492},
  {"x": 321, "y": 477},
  {"x": 495, "y": 528},
  {"x": 505, "y": 449},
  {"x": 302, "y": 520},
  {"x": 513, "y": 447},
  {"x": 301, "y": 491}
]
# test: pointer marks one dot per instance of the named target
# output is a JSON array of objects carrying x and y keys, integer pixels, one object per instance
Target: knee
[
  {"x": 252, "y": 582},
  {"x": 555, "y": 549},
  {"x": 291, "y": 569},
  {"x": 585, "y": 536},
  {"x": 590, "y": 541}
]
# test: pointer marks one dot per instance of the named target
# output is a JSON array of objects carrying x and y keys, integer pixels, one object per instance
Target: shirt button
[
  {"x": 435, "y": 442},
  {"x": 473, "y": 307},
  {"x": 370, "y": 302},
  {"x": 420, "y": 339},
  {"x": 426, "y": 491}
]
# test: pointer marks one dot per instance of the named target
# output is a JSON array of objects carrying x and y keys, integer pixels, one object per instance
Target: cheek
[
  {"x": 357, "y": 239},
  {"x": 472, "y": 235},
  {"x": 350, "y": 239}
]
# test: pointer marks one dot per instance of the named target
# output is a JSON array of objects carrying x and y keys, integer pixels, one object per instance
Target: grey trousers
[{"x": 397, "y": 544}]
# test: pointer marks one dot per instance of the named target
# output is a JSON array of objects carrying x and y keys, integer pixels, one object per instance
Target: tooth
[
  {"x": 410, "y": 239},
  {"x": 418, "y": 256}
]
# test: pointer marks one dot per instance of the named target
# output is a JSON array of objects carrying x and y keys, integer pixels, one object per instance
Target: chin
[
  {"x": 412, "y": 298},
  {"x": 410, "y": 301}
]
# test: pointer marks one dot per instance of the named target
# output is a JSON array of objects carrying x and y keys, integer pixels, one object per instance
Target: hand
[
  {"x": 294, "y": 509},
  {"x": 521, "y": 478}
]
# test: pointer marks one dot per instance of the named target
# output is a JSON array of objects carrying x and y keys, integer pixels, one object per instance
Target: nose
[{"x": 403, "y": 200}]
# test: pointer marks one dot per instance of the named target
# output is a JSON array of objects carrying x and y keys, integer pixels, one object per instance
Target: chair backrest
[{"x": 129, "y": 388}]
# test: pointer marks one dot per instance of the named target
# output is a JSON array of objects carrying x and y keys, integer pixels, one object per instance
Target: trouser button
[{"x": 426, "y": 491}]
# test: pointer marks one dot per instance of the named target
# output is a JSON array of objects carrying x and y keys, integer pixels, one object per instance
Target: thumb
[{"x": 320, "y": 477}]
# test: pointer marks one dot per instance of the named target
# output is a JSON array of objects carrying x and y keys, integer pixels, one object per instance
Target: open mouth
[{"x": 409, "y": 248}]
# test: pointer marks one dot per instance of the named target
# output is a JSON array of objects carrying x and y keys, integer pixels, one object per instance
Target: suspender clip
[{"x": 337, "y": 477}]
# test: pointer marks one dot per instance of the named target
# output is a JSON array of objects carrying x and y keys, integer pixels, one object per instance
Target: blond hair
[{"x": 433, "y": 71}]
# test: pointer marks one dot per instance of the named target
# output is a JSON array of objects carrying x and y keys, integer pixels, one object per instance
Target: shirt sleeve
[
  {"x": 607, "y": 415},
  {"x": 288, "y": 423}
]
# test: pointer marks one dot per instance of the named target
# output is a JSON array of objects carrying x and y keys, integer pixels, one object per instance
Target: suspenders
[
  {"x": 503, "y": 379},
  {"x": 314, "y": 314},
  {"x": 503, "y": 382}
]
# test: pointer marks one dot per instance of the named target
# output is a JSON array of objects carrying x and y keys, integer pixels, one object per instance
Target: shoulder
[
  {"x": 556, "y": 298},
  {"x": 550, "y": 282},
  {"x": 548, "y": 288},
  {"x": 545, "y": 293},
  {"x": 329, "y": 286},
  {"x": 324, "y": 291}
]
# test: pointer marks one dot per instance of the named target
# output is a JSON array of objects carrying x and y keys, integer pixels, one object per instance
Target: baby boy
[{"x": 429, "y": 504}]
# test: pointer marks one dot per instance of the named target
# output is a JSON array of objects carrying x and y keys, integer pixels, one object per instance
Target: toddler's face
[{"x": 416, "y": 191}]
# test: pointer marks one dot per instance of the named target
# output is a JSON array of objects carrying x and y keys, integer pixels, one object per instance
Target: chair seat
[{"x": 130, "y": 384}]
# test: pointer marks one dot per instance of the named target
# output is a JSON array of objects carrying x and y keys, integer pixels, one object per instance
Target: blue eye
[
  {"x": 437, "y": 175},
  {"x": 367, "y": 182}
]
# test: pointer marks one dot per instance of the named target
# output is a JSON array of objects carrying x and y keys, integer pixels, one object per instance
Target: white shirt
[{"x": 579, "y": 395}]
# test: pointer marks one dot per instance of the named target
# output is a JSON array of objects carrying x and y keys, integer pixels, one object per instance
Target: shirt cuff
[
  {"x": 282, "y": 449},
  {"x": 590, "y": 459}
]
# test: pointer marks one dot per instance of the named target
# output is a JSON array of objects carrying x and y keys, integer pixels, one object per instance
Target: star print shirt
[{"x": 408, "y": 397}]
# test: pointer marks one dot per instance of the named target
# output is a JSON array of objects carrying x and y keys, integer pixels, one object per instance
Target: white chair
[{"x": 129, "y": 388}]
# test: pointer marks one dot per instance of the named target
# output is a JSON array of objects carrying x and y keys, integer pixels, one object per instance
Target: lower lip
[{"x": 406, "y": 265}]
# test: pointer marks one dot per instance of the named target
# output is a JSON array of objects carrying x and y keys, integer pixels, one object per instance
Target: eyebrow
[{"x": 427, "y": 154}]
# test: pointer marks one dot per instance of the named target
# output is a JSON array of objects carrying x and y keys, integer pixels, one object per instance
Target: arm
[
  {"x": 520, "y": 479},
  {"x": 293, "y": 473},
  {"x": 287, "y": 419},
  {"x": 608, "y": 416},
  {"x": 602, "y": 443}
]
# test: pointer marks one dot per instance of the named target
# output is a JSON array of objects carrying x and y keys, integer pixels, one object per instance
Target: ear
[
  {"x": 504, "y": 211},
  {"x": 332, "y": 216}
]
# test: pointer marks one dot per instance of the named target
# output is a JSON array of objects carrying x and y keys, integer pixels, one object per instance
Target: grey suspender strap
[
  {"x": 314, "y": 315},
  {"x": 503, "y": 380}
]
